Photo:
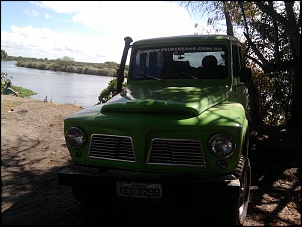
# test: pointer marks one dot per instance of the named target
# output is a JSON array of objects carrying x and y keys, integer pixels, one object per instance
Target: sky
[{"x": 89, "y": 31}]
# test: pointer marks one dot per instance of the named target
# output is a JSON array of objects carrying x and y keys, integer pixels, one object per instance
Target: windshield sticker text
[{"x": 172, "y": 49}]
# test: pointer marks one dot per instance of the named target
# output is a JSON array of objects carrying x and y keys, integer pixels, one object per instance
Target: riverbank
[
  {"x": 32, "y": 143},
  {"x": 57, "y": 87}
]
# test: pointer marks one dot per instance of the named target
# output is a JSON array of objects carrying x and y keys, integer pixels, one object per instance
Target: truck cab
[{"x": 178, "y": 131}]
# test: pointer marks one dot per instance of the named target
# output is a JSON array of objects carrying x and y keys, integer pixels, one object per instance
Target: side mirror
[{"x": 245, "y": 75}]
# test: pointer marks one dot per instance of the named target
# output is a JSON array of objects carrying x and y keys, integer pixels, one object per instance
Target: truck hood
[{"x": 176, "y": 100}]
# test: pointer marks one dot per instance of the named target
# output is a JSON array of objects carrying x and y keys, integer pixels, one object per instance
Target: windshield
[{"x": 180, "y": 62}]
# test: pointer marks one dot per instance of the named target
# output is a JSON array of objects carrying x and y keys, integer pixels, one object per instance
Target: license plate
[{"x": 138, "y": 190}]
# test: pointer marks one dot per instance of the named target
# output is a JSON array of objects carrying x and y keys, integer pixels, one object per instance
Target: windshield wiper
[
  {"x": 190, "y": 75},
  {"x": 148, "y": 76}
]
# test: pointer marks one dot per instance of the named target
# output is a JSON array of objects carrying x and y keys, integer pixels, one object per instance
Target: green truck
[{"x": 178, "y": 131}]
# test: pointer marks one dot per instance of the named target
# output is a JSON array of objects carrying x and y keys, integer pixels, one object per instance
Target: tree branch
[
  {"x": 292, "y": 20},
  {"x": 256, "y": 51},
  {"x": 276, "y": 36},
  {"x": 288, "y": 25}
]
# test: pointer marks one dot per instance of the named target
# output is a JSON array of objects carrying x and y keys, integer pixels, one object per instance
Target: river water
[{"x": 59, "y": 87}]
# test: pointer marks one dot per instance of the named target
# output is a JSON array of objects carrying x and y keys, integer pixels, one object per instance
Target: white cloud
[
  {"x": 62, "y": 6},
  {"x": 32, "y": 13},
  {"x": 43, "y": 42},
  {"x": 139, "y": 18},
  {"x": 109, "y": 22}
]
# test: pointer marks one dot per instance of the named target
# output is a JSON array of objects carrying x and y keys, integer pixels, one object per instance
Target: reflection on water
[{"x": 58, "y": 87}]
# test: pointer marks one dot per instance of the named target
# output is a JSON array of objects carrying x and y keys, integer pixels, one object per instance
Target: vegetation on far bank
[{"x": 65, "y": 64}]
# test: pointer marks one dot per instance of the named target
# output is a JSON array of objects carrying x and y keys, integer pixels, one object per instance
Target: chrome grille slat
[
  {"x": 184, "y": 152},
  {"x": 111, "y": 147}
]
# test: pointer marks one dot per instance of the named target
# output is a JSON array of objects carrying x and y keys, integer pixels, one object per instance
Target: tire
[{"x": 238, "y": 210}]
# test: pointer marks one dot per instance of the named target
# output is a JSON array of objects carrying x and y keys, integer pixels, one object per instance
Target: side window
[
  {"x": 147, "y": 64},
  {"x": 140, "y": 63}
]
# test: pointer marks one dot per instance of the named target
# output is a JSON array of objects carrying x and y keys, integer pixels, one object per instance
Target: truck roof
[{"x": 186, "y": 39}]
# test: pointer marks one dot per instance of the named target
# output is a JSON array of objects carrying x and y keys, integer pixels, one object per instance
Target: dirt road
[{"x": 33, "y": 151}]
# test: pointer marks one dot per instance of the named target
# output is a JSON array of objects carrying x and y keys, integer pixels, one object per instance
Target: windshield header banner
[{"x": 172, "y": 49}]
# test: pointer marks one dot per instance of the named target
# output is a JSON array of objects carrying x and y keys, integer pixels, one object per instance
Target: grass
[{"x": 24, "y": 92}]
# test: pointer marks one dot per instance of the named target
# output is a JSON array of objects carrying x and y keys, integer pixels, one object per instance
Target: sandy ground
[{"x": 33, "y": 150}]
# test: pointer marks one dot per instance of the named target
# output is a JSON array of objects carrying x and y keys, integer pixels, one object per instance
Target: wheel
[
  {"x": 238, "y": 210},
  {"x": 226, "y": 209}
]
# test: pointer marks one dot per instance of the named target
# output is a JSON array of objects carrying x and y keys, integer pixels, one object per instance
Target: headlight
[
  {"x": 75, "y": 137},
  {"x": 222, "y": 145}
]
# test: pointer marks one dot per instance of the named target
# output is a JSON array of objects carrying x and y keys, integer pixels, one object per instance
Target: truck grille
[
  {"x": 181, "y": 152},
  {"x": 111, "y": 147}
]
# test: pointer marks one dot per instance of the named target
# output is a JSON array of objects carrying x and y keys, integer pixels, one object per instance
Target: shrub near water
[{"x": 23, "y": 92}]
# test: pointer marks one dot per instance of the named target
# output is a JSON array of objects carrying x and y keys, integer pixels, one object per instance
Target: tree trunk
[
  {"x": 230, "y": 29},
  {"x": 296, "y": 107},
  {"x": 295, "y": 48},
  {"x": 255, "y": 118}
]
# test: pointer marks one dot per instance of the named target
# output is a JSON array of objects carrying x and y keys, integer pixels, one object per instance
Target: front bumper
[{"x": 174, "y": 186}]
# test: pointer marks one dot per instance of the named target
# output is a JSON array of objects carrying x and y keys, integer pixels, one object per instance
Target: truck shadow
[{"x": 134, "y": 214}]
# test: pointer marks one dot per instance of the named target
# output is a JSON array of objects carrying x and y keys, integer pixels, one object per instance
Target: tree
[
  {"x": 3, "y": 55},
  {"x": 272, "y": 39},
  {"x": 110, "y": 91},
  {"x": 289, "y": 20},
  {"x": 64, "y": 62},
  {"x": 219, "y": 9}
]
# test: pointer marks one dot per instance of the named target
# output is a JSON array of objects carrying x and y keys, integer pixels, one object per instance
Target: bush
[{"x": 23, "y": 92}]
